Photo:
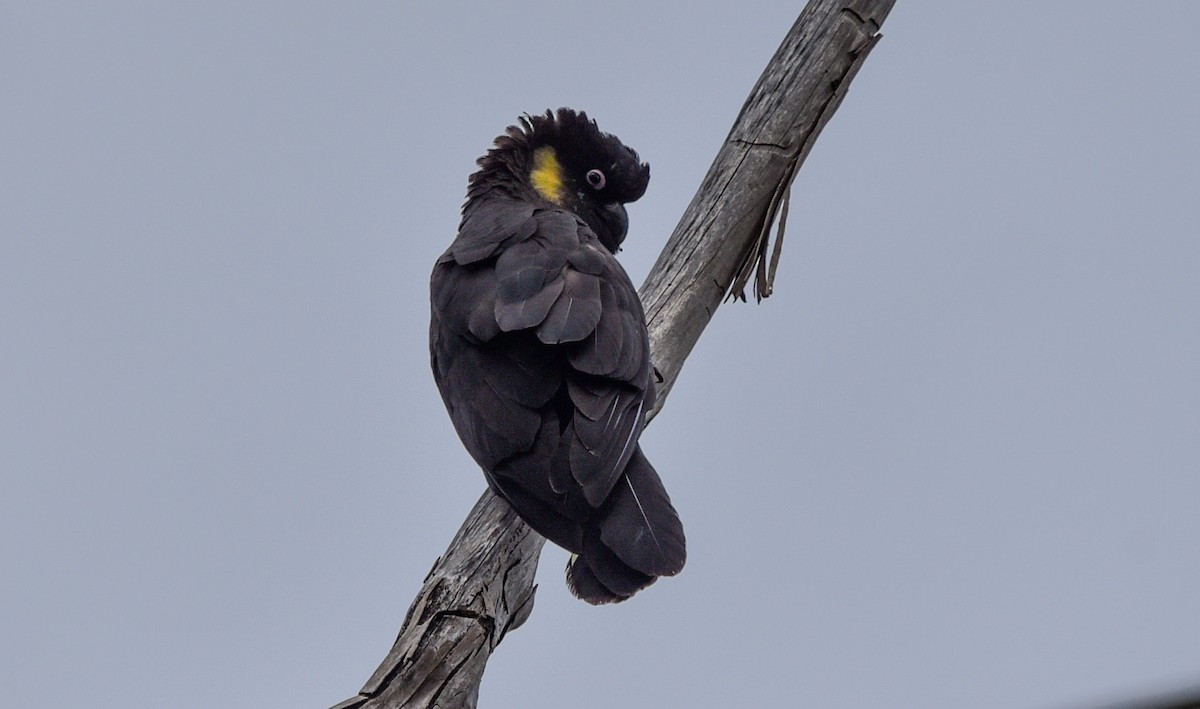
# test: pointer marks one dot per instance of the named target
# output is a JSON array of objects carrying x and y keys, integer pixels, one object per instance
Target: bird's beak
[{"x": 616, "y": 225}]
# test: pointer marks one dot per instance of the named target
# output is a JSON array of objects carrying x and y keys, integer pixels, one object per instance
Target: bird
[{"x": 540, "y": 350}]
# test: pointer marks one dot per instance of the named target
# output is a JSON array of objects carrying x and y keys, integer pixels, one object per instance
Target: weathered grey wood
[
  {"x": 482, "y": 587},
  {"x": 722, "y": 238},
  {"x": 478, "y": 591}
]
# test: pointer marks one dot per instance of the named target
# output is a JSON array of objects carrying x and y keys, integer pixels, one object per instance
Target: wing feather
[
  {"x": 575, "y": 312},
  {"x": 601, "y": 448},
  {"x": 488, "y": 224}
]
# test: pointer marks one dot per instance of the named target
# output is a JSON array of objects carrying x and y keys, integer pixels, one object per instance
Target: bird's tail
[{"x": 636, "y": 538}]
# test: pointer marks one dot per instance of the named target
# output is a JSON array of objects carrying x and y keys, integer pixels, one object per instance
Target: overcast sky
[{"x": 953, "y": 462}]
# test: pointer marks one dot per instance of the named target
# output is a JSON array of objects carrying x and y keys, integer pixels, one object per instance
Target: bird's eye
[{"x": 595, "y": 178}]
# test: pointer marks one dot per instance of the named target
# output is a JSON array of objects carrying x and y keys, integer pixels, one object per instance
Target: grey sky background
[{"x": 954, "y": 462}]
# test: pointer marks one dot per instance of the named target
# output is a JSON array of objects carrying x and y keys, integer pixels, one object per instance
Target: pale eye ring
[{"x": 595, "y": 179}]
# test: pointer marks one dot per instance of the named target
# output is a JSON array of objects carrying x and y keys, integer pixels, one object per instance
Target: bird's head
[{"x": 561, "y": 157}]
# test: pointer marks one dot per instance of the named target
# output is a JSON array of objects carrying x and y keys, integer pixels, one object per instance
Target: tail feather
[
  {"x": 584, "y": 584},
  {"x": 642, "y": 526},
  {"x": 636, "y": 538}
]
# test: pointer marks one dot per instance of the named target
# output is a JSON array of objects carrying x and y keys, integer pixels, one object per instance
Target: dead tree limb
[
  {"x": 482, "y": 587},
  {"x": 722, "y": 237}
]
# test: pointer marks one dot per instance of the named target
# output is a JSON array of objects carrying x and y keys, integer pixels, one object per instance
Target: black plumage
[{"x": 540, "y": 351}]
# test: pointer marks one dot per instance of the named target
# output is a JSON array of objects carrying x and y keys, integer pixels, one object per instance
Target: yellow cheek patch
[{"x": 547, "y": 174}]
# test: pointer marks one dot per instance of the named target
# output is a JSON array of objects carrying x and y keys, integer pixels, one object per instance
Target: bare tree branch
[
  {"x": 483, "y": 586},
  {"x": 722, "y": 236}
]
